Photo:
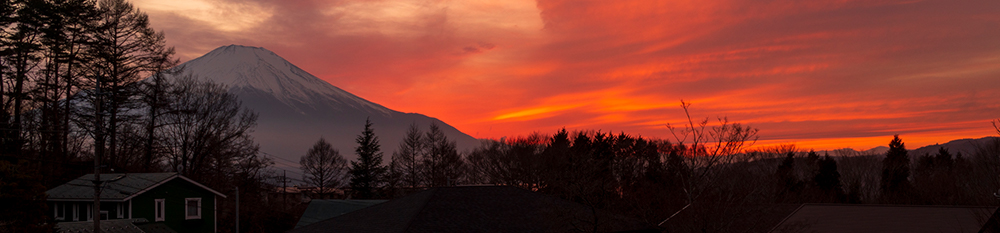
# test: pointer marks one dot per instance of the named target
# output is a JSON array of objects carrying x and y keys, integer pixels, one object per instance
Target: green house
[{"x": 162, "y": 198}]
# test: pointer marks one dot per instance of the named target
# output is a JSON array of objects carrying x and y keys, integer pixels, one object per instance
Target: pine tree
[
  {"x": 895, "y": 170},
  {"x": 827, "y": 178},
  {"x": 943, "y": 159},
  {"x": 786, "y": 173},
  {"x": 367, "y": 173},
  {"x": 7, "y": 137},
  {"x": 812, "y": 157},
  {"x": 125, "y": 49},
  {"x": 21, "y": 52}
]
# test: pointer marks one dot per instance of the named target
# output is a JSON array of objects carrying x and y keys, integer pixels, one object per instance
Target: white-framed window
[
  {"x": 159, "y": 210},
  {"x": 76, "y": 212},
  {"x": 120, "y": 211},
  {"x": 60, "y": 213},
  {"x": 192, "y": 209},
  {"x": 89, "y": 213}
]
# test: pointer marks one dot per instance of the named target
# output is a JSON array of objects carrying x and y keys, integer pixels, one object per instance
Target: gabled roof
[
  {"x": 476, "y": 209},
  {"x": 320, "y": 209},
  {"x": 886, "y": 218},
  {"x": 117, "y": 186}
]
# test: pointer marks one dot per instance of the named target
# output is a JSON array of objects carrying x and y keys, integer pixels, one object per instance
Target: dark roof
[
  {"x": 745, "y": 217},
  {"x": 107, "y": 226},
  {"x": 155, "y": 227},
  {"x": 320, "y": 209},
  {"x": 885, "y": 218},
  {"x": 475, "y": 209},
  {"x": 117, "y": 186}
]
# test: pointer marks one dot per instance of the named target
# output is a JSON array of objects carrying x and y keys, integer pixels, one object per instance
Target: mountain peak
[
  {"x": 295, "y": 108},
  {"x": 259, "y": 69},
  {"x": 243, "y": 51}
]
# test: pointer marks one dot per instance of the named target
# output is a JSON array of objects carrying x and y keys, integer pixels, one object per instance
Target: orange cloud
[{"x": 826, "y": 74}]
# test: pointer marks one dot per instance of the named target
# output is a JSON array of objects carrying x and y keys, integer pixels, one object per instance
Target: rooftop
[
  {"x": 117, "y": 186},
  {"x": 886, "y": 218}
]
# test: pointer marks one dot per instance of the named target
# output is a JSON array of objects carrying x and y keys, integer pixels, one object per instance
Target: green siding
[
  {"x": 174, "y": 192},
  {"x": 142, "y": 206},
  {"x": 67, "y": 209}
]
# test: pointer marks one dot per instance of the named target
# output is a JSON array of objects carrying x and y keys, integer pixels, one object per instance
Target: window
[
  {"x": 159, "y": 209},
  {"x": 193, "y": 208},
  {"x": 76, "y": 212},
  {"x": 89, "y": 212},
  {"x": 60, "y": 213},
  {"x": 120, "y": 210}
]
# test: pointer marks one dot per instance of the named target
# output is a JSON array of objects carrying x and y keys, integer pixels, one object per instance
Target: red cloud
[{"x": 818, "y": 72}]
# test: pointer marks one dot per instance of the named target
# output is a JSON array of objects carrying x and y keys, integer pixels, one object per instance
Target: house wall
[
  {"x": 82, "y": 207},
  {"x": 174, "y": 192}
]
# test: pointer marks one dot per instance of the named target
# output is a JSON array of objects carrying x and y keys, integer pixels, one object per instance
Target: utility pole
[
  {"x": 98, "y": 154},
  {"x": 237, "y": 209},
  {"x": 284, "y": 188}
]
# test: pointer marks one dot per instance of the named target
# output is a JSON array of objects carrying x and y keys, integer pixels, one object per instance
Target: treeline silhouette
[
  {"x": 70, "y": 94},
  {"x": 653, "y": 179},
  {"x": 707, "y": 179}
]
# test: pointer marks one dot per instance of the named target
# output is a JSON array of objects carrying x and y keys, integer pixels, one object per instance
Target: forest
[
  {"x": 85, "y": 82},
  {"x": 708, "y": 179},
  {"x": 73, "y": 78}
]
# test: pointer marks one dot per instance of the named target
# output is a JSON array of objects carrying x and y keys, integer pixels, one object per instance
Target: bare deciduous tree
[
  {"x": 406, "y": 160},
  {"x": 442, "y": 165},
  {"x": 207, "y": 132},
  {"x": 708, "y": 148},
  {"x": 996, "y": 125},
  {"x": 323, "y": 167}
]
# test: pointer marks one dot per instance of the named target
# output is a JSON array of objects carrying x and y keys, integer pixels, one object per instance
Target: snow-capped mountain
[{"x": 295, "y": 108}]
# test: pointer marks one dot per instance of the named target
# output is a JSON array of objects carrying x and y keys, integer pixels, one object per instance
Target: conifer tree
[
  {"x": 20, "y": 49},
  {"x": 125, "y": 49},
  {"x": 812, "y": 157},
  {"x": 786, "y": 173},
  {"x": 367, "y": 173},
  {"x": 895, "y": 169},
  {"x": 827, "y": 178}
]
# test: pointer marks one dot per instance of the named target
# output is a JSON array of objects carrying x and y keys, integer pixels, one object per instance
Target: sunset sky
[{"x": 824, "y": 74}]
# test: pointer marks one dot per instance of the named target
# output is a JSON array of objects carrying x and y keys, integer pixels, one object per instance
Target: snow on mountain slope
[
  {"x": 258, "y": 68},
  {"x": 295, "y": 108}
]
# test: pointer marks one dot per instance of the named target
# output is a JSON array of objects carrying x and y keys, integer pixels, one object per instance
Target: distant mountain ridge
[
  {"x": 966, "y": 146},
  {"x": 296, "y": 108}
]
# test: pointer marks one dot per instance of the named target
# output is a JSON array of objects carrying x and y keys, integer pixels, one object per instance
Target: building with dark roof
[
  {"x": 168, "y": 198},
  {"x": 889, "y": 218},
  {"x": 477, "y": 209},
  {"x": 323, "y": 209}
]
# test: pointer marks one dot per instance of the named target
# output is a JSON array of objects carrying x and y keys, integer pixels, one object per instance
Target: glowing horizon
[{"x": 821, "y": 74}]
